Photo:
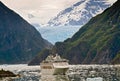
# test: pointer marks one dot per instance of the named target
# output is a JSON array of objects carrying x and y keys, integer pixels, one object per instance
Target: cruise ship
[{"x": 54, "y": 65}]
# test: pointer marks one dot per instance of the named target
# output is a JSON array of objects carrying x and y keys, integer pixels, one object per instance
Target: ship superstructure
[{"x": 54, "y": 65}]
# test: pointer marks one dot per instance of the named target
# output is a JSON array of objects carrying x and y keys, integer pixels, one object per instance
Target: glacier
[{"x": 57, "y": 34}]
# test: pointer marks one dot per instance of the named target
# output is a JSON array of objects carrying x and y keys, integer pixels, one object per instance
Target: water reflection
[{"x": 54, "y": 78}]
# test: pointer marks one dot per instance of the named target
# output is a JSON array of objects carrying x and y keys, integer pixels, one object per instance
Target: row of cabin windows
[{"x": 46, "y": 67}]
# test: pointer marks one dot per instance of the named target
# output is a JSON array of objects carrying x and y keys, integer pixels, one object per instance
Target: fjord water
[{"x": 75, "y": 73}]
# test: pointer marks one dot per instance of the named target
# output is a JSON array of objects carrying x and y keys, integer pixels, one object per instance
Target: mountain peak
[
  {"x": 97, "y": 42},
  {"x": 2, "y": 4},
  {"x": 19, "y": 41},
  {"x": 80, "y": 13},
  {"x": 4, "y": 9}
]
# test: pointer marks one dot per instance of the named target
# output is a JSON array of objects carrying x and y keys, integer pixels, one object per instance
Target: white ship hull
[
  {"x": 54, "y": 71},
  {"x": 47, "y": 71},
  {"x": 60, "y": 71},
  {"x": 60, "y": 68},
  {"x": 54, "y": 66}
]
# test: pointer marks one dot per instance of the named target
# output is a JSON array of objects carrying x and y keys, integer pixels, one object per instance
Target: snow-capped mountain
[{"x": 80, "y": 13}]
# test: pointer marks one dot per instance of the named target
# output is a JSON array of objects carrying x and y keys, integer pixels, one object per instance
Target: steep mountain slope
[
  {"x": 40, "y": 57},
  {"x": 19, "y": 41},
  {"x": 116, "y": 60},
  {"x": 97, "y": 42},
  {"x": 80, "y": 13}
]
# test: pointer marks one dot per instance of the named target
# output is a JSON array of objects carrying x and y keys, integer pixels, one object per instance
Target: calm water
[{"x": 75, "y": 73}]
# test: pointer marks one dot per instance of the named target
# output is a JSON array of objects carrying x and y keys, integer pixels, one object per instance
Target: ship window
[{"x": 46, "y": 67}]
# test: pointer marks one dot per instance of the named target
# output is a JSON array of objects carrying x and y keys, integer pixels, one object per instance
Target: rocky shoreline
[{"x": 4, "y": 73}]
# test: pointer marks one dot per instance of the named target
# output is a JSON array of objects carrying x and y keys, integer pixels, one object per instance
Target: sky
[{"x": 41, "y": 10}]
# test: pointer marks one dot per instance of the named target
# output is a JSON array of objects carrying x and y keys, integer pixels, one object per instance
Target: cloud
[{"x": 43, "y": 10}]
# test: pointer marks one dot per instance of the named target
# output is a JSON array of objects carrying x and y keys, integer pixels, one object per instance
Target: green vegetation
[
  {"x": 97, "y": 42},
  {"x": 116, "y": 60}
]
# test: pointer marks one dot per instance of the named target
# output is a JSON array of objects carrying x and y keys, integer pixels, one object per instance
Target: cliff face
[
  {"x": 96, "y": 42},
  {"x": 19, "y": 41}
]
